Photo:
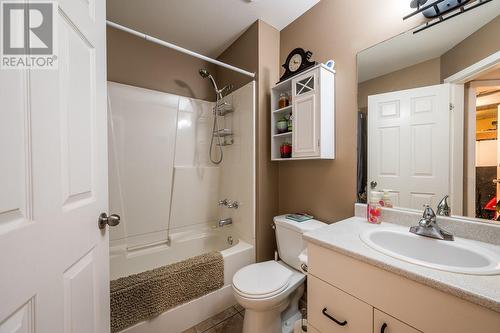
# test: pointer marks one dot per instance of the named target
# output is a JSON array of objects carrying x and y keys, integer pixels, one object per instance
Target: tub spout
[{"x": 224, "y": 222}]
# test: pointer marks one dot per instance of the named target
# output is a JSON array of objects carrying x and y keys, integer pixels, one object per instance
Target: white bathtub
[{"x": 184, "y": 245}]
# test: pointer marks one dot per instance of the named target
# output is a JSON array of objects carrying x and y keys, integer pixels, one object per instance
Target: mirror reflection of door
[{"x": 409, "y": 144}]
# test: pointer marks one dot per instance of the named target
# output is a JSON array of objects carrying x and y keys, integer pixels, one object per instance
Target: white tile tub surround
[
  {"x": 480, "y": 230},
  {"x": 237, "y": 177},
  {"x": 159, "y": 154},
  {"x": 139, "y": 189}
]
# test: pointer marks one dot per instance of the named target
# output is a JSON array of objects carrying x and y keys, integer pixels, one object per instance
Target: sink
[{"x": 459, "y": 256}]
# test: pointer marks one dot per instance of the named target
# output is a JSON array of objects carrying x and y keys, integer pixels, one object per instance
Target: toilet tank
[{"x": 289, "y": 238}]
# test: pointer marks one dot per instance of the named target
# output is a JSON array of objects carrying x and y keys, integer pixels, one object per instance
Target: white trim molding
[{"x": 469, "y": 73}]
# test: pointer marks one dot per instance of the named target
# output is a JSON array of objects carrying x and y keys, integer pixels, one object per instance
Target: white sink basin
[{"x": 459, "y": 256}]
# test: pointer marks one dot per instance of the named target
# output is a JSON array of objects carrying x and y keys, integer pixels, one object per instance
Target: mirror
[{"x": 428, "y": 106}]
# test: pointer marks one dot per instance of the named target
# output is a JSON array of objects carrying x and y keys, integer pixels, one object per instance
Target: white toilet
[{"x": 269, "y": 291}]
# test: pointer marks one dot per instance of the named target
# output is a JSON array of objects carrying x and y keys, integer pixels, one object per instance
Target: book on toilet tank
[{"x": 299, "y": 217}]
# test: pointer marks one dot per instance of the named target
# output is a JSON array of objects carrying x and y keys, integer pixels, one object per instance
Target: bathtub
[{"x": 182, "y": 245}]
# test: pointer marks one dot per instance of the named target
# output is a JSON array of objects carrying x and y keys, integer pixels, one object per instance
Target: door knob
[
  {"x": 111, "y": 220},
  {"x": 373, "y": 184}
]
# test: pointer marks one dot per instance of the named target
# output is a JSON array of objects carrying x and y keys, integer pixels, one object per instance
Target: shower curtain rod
[{"x": 178, "y": 48}]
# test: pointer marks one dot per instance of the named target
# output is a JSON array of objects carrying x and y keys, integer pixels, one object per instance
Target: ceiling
[
  {"x": 205, "y": 26},
  {"x": 409, "y": 49}
]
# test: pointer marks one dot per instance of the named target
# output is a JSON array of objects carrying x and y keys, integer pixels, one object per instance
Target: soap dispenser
[{"x": 374, "y": 208}]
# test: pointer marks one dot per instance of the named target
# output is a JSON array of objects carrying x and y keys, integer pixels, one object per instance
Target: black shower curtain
[{"x": 362, "y": 162}]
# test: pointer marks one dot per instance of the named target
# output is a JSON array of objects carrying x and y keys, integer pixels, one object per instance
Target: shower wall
[{"x": 161, "y": 181}]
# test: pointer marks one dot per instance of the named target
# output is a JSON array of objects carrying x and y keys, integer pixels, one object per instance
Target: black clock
[{"x": 296, "y": 62}]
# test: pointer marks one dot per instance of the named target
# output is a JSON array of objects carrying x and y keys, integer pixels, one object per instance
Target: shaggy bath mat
[{"x": 145, "y": 295}]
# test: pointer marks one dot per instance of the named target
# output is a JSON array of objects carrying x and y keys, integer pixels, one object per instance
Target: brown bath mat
[{"x": 145, "y": 295}]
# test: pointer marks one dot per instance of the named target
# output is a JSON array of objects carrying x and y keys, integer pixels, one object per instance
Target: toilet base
[{"x": 262, "y": 321}]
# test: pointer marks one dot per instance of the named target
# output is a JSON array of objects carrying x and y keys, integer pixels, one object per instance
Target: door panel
[
  {"x": 408, "y": 131},
  {"x": 54, "y": 162},
  {"x": 305, "y": 127}
]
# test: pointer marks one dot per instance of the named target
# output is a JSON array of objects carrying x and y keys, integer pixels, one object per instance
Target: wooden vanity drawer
[
  {"x": 392, "y": 325},
  {"x": 325, "y": 300}
]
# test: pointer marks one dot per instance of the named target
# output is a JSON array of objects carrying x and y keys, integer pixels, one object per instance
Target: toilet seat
[{"x": 262, "y": 280}]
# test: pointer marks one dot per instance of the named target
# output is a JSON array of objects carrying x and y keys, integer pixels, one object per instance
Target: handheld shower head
[{"x": 204, "y": 73}]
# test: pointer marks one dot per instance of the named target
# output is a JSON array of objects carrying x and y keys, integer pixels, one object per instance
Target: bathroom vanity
[{"x": 353, "y": 287}]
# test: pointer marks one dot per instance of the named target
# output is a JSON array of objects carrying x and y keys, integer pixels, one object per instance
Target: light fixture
[{"x": 441, "y": 10}]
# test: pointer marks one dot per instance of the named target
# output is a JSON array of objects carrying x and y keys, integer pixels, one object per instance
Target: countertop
[{"x": 343, "y": 237}]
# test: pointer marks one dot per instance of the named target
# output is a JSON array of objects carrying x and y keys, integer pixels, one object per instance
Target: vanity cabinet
[
  {"x": 311, "y": 112},
  {"x": 332, "y": 310},
  {"x": 384, "y": 323},
  {"x": 366, "y": 297}
]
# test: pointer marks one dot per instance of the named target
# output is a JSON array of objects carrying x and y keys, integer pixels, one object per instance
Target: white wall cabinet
[{"x": 311, "y": 111}]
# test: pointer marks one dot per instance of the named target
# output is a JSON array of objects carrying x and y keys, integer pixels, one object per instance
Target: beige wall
[
  {"x": 426, "y": 73},
  {"x": 267, "y": 171},
  {"x": 243, "y": 53},
  {"x": 135, "y": 61},
  {"x": 477, "y": 46},
  {"x": 335, "y": 29}
]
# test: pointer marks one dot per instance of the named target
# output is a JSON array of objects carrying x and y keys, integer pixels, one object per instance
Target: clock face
[{"x": 295, "y": 62}]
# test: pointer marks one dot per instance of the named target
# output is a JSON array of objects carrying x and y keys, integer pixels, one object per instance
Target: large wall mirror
[{"x": 429, "y": 104}]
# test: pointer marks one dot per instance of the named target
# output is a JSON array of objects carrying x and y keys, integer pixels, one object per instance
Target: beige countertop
[{"x": 343, "y": 237}]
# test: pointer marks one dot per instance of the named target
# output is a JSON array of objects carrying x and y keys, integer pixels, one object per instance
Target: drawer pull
[
  {"x": 341, "y": 323},
  {"x": 382, "y": 329}
]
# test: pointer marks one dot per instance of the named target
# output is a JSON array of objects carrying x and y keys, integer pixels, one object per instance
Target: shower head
[{"x": 204, "y": 73}]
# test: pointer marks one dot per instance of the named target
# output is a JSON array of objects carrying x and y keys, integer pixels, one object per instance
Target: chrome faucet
[
  {"x": 427, "y": 226},
  {"x": 443, "y": 208},
  {"x": 224, "y": 222}
]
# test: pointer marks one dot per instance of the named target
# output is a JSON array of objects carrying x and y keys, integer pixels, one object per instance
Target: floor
[{"x": 228, "y": 321}]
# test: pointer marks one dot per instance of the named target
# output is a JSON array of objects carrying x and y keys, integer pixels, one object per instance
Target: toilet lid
[{"x": 262, "y": 279}]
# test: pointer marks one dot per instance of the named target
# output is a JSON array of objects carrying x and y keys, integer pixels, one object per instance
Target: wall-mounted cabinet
[{"x": 304, "y": 127}]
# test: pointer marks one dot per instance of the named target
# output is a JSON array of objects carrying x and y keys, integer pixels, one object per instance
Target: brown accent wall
[
  {"x": 242, "y": 53},
  {"x": 426, "y": 73},
  {"x": 335, "y": 29},
  {"x": 257, "y": 50},
  {"x": 267, "y": 171},
  {"x": 135, "y": 61},
  {"x": 477, "y": 46}
]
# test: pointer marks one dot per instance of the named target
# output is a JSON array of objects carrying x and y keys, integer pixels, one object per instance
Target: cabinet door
[
  {"x": 330, "y": 310},
  {"x": 305, "y": 126},
  {"x": 383, "y": 323},
  {"x": 306, "y": 115}
]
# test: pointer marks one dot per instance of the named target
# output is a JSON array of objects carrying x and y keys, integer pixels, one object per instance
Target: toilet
[{"x": 270, "y": 291}]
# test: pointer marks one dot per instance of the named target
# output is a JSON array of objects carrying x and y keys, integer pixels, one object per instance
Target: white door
[
  {"x": 53, "y": 184},
  {"x": 306, "y": 117},
  {"x": 409, "y": 145}
]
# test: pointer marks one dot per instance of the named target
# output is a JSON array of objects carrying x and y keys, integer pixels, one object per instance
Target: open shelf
[
  {"x": 286, "y": 108},
  {"x": 283, "y": 134}
]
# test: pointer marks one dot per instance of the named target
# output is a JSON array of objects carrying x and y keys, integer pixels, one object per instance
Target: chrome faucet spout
[
  {"x": 428, "y": 227},
  {"x": 224, "y": 222},
  {"x": 443, "y": 208}
]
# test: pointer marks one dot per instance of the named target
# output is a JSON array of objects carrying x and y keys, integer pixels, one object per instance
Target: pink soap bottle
[{"x": 374, "y": 208}]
